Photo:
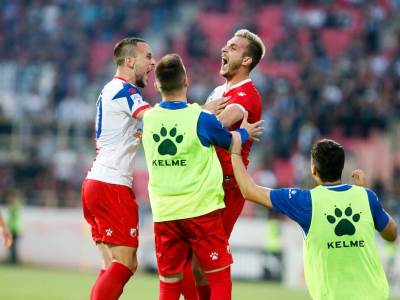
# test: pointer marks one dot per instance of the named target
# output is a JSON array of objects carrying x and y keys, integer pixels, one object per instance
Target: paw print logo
[
  {"x": 169, "y": 140},
  {"x": 109, "y": 232},
  {"x": 214, "y": 255},
  {"x": 345, "y": 224}
]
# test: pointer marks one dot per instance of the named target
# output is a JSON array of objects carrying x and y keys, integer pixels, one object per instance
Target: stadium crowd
[{"x": 332, "y": 69}]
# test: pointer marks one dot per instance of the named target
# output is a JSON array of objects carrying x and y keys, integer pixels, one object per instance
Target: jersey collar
[{"x": 240, "y": 83}]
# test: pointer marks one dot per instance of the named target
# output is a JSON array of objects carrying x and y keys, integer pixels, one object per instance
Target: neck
[
  {"x": 238, "y": 77},
  {"x": 178, "y": 96},
  {"x": 126, "y": 75},
  {"x": 332, "y": 182}
]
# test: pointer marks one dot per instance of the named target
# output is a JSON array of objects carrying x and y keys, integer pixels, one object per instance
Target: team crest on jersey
[{"x": 168, "y": 140}]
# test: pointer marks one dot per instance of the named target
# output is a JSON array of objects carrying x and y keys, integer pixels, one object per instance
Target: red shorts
[
  {"x": 204, "y": 236},
  {"x": 112, "y": 212},
  {"x": 234, "y": 203}
]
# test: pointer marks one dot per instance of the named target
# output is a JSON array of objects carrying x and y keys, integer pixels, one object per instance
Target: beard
[
  {"x": 231, "y": 69},
  {"x": 140, "y": 80}
]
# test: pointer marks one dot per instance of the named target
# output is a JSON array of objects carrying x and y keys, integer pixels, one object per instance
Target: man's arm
[
  {"x": 211, "y": 131},
  {"x": 248, "y": 188},
  {"x": 231, "y": 114},
  {"x": 389, "y": 232},
  {"x": 6, "y": 232}
]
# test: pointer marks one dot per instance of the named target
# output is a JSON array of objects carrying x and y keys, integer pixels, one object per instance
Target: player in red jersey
[
  {"x": 238, "y": 58},
  {"x": 108, "y": 201}
]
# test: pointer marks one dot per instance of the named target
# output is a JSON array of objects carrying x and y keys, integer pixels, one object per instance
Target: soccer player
[
  {"x": 108, "y": 201},
  {"x": 185, "y": 184},
  {"x": 7, "y": 236},
  {"x": 239, "y": 57},
  {"x": 339, "y": 221}
]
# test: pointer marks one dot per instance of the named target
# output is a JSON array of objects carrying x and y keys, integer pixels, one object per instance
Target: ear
[
  {"x": 130, "y": 62},
  {"x": 186, "y": 81},
  {"x": 156, "y": 86},
  {"x": 247, "y": 60}
]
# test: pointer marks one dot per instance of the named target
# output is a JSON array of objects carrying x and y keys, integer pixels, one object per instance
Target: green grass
[{"x": 23, "y": 283}]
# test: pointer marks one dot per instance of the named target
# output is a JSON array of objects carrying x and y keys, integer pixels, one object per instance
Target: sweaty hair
[
  {"x": 255, "y": 49},
  {"x": 328, "y": 157},
  {"x": 125, "y": 48},
  {"x": 170, "y": 73}
]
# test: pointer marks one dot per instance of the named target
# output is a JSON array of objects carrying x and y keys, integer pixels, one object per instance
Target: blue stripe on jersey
[
  {"x": 99, "y": 105},
  {"x": 126, "y": 92},
  {"x": 296, "y": 204}
]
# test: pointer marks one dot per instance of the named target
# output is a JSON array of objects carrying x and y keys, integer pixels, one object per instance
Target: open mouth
[{"x": 224, "y": 61}]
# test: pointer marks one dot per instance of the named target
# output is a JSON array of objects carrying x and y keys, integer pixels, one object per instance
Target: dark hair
[
  {"x": 125, "y": 48},
  {"x": 170, "y": 73},
  {"x": 328, "y": 157}
]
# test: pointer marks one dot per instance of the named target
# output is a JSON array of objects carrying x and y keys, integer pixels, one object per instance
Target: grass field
[{"x": 23, "y": 283}]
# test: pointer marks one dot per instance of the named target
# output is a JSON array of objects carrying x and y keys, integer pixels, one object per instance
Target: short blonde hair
[{"x": 256, "y": 47}]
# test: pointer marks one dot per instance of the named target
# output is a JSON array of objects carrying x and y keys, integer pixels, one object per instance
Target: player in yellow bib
[
  {"x": 339, "y": 221},
  {"x": 185, "y": 184}
]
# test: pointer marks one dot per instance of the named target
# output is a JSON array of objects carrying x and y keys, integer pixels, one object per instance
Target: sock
[
  {"x": 170, "y": 291},
  {"x": 203, "y": 292},
  {"x": 189, "y": 284},
  {"x": 220, "y": 284},
  {"x": 102, "y": 271},
  {"x": 112, "y": 282}
]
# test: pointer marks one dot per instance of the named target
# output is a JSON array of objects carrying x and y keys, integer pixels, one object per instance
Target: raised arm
[
  {"x": 389, "y": 232},
  {"x": 248, "y": 188}
]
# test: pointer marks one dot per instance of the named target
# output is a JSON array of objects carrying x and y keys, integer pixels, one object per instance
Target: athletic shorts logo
[
  {"x": 133, "y": 232},
  {"x": 169, "y": 141},
  {"x": 345, "y": 225},
  {"x": 109, "y": 232},
  {"x": 214, "y": 255}
]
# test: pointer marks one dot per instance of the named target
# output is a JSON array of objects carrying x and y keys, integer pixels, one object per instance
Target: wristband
[{"x": 243, "y": 134}]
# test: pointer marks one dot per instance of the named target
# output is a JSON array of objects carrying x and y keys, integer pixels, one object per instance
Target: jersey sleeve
[
  {"x": 379, "y": 215},
  {"x": 130, "y": 100},
  {"x": 211, "y": 132},
  {"x": 295, "y": 204}
]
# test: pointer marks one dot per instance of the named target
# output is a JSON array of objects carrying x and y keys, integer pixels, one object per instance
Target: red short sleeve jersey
[{"x": 245, "y": 95}]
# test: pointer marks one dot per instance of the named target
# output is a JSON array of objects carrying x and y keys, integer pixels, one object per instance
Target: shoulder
[
  {"x": 216, "y": 93},
  {"x": 290, "y": 194}
]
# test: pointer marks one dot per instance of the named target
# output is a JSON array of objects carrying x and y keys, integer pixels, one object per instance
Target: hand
[
  {"x": 138, "y": 134},
  {"x": 216, "y": 106},
  {"x": 253, "y": 129},
  {"x": 8, "y": 239},
  {"x": 360, "y": 178}
]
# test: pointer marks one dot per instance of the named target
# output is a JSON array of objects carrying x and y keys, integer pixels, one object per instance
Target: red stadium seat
[
  {"x": 270, "y": 25},
  {"x": 335, "y": 41},
  {"x": 288, "y": 70},
  {"x": 217, "y": 27}
]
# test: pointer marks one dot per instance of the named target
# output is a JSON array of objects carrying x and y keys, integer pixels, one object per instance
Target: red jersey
[{"x": 245, "y": 95}]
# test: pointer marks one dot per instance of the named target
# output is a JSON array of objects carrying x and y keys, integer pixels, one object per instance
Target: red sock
[
  {"x": 203, "y": 292},
  {"x": 112, "y": 282},
  {"x": 220, "y": 284},
  {"x": 170, "y": 291},
  {"x": 102, "y": 271},
  {"x": 189, "y": 284}
]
